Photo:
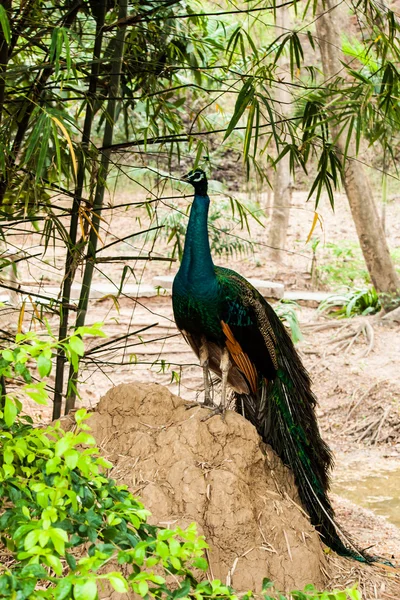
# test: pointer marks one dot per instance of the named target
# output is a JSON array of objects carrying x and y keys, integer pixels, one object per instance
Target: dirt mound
[{"x": 216, "y": 473}]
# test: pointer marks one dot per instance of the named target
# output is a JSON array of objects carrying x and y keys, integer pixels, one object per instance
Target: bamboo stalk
[
  {"x": 71, "y": 249},
  {"x": 116, "y": 68}
]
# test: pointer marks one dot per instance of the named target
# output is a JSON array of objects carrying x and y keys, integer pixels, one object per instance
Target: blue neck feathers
[{"x": 197, "y": 267}]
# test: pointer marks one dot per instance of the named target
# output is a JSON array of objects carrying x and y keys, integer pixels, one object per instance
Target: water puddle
[{"x": 379, "y": 492}]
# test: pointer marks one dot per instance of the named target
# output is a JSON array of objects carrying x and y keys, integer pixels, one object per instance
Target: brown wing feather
[
  {"x": 240, "y": 358},
  {"x": 235, "y": 379}
]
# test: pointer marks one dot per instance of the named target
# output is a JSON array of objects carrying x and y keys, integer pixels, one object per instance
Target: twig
[
  {"x": 231, "y": 572},
  {"x": 385, "y": 416},
  {"x": 209, "y": 565},
  {"x": 360, "y": 400},
  {"x": 368, "y": 430},
  {"x": 288, "y": 545}
]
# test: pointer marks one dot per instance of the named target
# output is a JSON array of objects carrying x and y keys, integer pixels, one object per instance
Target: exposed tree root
[{"x": 345, "y": 337}]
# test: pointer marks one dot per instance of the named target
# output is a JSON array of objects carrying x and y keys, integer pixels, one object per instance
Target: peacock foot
[
  {"x": 195, "y": 404},
  {"x": 215, "y": 410}
]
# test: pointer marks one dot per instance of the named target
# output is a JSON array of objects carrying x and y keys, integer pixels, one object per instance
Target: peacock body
[{"x": 237, "y": 335}]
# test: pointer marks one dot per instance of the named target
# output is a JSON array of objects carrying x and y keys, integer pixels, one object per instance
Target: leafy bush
[
  {"x": 63, "y": 519},
  {"x": 344, "y": 267},
  {"x": 355, "y": 302}
]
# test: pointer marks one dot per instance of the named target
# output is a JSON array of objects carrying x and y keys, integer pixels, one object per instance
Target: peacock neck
[{"x": 197, "y": 266}]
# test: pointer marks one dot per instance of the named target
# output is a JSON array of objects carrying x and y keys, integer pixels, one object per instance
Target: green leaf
[
  {"x": 5, "y": 24},
  {"x": 244, "y": 98},
  {"x": 183, "y": 590},
  {"x": 174, "y": 546},
  {"x": 77, "y": 345},
  {"x": 37, "y": 392},
  {"x": 7, "y": 354},
  {"x": 70, "y": 558},
  {"x": 118, "y": 582},
  {"x": 143, "y": 588},
  {"x": 8, "y": 456},
  {"x": 62, "y": 446},
  {"x": 10, "y": 411},
  {"x": 52, "y": 465},
  {"x": 59, "y": 537},
  {"x": 71, "y": 458},
  {"x": 31, "y": 539},
  {"x": 354, "y": 594},
  {"x": 162, "y": 550},
  {"x": 85, "y": 590},
  {"x": 44, "y": 366},
  {"x": 201, "y": 563},
  {"x": 63, "y": 589}
]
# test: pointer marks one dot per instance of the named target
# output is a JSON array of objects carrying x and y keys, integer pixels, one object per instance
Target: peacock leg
[
  {"x": 225, "y": 365},
  {"x": 203, "y": 355}
]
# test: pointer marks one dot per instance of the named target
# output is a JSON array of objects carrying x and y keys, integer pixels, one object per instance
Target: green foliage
[
  {"x": 63, "y": 519},
  {"x": 356, "y": 302},
  {"x": 285, "y": 309},
  {"x": 16, "y": 363},
  {"x": 310, "y": 593},
  {"x": 343, "y": 266}
]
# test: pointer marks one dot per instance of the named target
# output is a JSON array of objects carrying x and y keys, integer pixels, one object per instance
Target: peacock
[{"x": 237, "y": 335}]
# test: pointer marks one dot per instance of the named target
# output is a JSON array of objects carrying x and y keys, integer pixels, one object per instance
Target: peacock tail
[{"x": 283, "y": 412}]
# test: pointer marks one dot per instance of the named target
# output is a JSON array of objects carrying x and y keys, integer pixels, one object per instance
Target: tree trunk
[
  {"x": 363, "y": 208},
  {"x": 282, "y": 188}
]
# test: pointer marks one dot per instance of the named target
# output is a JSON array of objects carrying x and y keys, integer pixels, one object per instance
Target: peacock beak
[{"x": 185, "y": 177}]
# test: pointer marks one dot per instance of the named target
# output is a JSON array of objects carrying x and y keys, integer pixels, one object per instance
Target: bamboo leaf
[
  {"x": 56, "y": 48},
  {"x": 257, "y": 132},
  {"x": 67, "y": 50},
  {"x": 21, "y": 317},
  {"x": 200, "y": 149},
  {"x": 43, "y": 148},
  {"x": 249, "y": 129},
  {"x": 5, "y": 24},
  {"x": 267, "y": 105},
  {"x": 57, "y": 149},
  {"x": 314, "y": 223},
  {"x": 69, "y": 142},
  {"x": 245, "y": 97},
  {"x": 252, "y": 44}
]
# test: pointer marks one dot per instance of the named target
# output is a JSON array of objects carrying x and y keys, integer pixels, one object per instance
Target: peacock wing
[{"x": 250, "y": 338}]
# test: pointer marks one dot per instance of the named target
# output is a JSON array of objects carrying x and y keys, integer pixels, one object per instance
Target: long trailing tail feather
[{"x": 283, "y": 412}]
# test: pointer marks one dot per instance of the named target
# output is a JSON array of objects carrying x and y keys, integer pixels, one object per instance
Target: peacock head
[{"x": 198, "y": 179}]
